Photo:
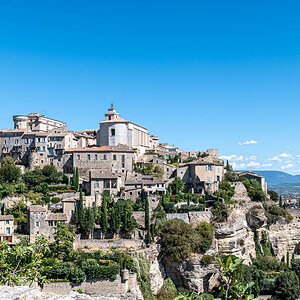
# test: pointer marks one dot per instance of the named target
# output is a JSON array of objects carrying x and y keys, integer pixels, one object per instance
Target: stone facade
[{"x": 7, "y": 228}]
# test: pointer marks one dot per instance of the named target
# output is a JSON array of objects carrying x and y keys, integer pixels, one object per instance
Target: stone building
[
  {"x": 44, "y": 222},
  {"x": 150, "y": 184},
  {"x": 7, "y": 228},
  {"x": 116, "y": 131},
  {"x": 104, "y": 180},
  {"x": 156, "y": 161},
  {"x": 203, "y": 174},
  {"x": 261, "y": 179},
  {"x": 113, "y": 158}
]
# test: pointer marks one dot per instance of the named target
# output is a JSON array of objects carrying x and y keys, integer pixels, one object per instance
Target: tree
[
  {"x": 21, "y": 264},
  {"x": 116, "y": 217},
  {"x": 231, "y": 287},
  {"x": 177, "y": 185},
  {"x": 49, "y": 170},
  {"x": 147, "y": 217},
  {"x": 9, "y": 172},
  {"x": 19, "y": 211},
  {"x": 75, "y": 180},
  {"x": 280, "y": 201},
  {"x": 63, "y": 241},
  {"x": 287, "y": 284},
  {"x": 80, "y": 212},
  {"x": 129, "y": 221},
  {"x": 104, "y": 217}
]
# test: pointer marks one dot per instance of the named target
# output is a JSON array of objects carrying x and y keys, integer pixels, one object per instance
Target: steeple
[{"x": 111, "y": 113}]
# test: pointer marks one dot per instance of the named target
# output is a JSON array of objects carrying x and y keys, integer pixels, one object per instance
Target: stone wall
[
  {"x": 122, "y": 285},
  {"x": 108, "y": 244},
  {"x": 193, "y": 217}
]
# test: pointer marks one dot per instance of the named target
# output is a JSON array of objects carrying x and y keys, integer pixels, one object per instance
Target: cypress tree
[
  {"x": 129, "y": 222},
  {"x": 280, "y": 201},
  {"x": 288, "y": 259},
  {"x": 81, "y": 212},
  {"x": 74, "y": 179},
  {"x": 77, "y": 180},
  {"x": 147, "y": 217},
  {"x": 90, "y": 221},
  {"x": 104, "y": 221},
  {"x": 115, "y": 218},
  {"x": 189, "y": 200}
]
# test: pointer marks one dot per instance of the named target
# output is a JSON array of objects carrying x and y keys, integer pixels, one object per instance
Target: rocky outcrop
[
  {"x": 241, "y": 194},
  {"x": 192, "y": 274},
  {"x": 236, "y": 235},
  {"x": 285, "y": 237}
]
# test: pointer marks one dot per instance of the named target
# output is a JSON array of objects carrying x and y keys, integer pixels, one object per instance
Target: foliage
[
  {"x": 55, "y": 200},
  {"x": 180, "y": 240},
  {"x": 176, "y": 186},
  {"x": 22, "y": 264},
  {"x": 231, "y": 176},
  {"x": 206, "y": 259},
  {"x": 273, "y": 213},
  {"x": 19, "y": 211},
  {"x": 268, "y": 264},
  {"x": 168, "y": 291},
  {"x": 220, "y": 212},
  {"x": 254, "y": 189},
  {"x": 150, "y": 169},
  {"x": 77, "y": 275},
  {"x": 206, "y": 232},
  {"x": 295, "y": 266},
  {"x": 191, "y": 295},
  {"x": 225, "y": 191},
  {"x": 273, "y": 195},
  {"x": 287, "y": 286},
  {"x": 63, "y": 241},
  {"x": 139, "y": 204},
  {"x": 231, "y": 287},
  {"x": 9, "y": 172},
  {"x": 75, "y": 180},
  {"x": 96, "y": 271},
  {"x": 141, "y": 267},
  {"x": 190, "y": 159}
]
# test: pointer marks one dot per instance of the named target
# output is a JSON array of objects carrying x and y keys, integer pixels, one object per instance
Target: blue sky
[{"x": 200, "y": 74}]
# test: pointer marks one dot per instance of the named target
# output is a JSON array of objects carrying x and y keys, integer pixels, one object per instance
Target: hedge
[{"x": 94, "y": 271}]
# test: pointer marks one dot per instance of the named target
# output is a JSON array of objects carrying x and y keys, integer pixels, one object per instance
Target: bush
[
  {"x": 296, "y": 266},
  {"x": 60, "y": 270},
  {"x": 220, "y": 212},
  {"x": 77, "y": 275},
  {"x": 95, "y": 271},
  {"x": 168, "y": 291},
  {"x": 287, "y": 284},
  {"x": 207, "y": 260},
  {"x": 273, "y": 213},
  {"x": 55, "y": 200},
  {"x": 268, "y": 264}
]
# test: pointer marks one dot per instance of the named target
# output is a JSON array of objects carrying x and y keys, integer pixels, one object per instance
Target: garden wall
[
  {"x": 96, "y": 287},
  {"x": 193, "y": 217}
]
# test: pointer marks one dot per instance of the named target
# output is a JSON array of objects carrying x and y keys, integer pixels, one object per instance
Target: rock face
[
  {"x": 285, "y": 237},
  {"x": 241, "y": 194},
  {"x": 236, "y": 235},
  {"x": 192, "y": 274}
]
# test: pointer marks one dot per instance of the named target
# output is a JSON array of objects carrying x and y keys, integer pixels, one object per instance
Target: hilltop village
[{"x": 113, "y": 212}]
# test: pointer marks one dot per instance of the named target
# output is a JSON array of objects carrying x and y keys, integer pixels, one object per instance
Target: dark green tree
[
  {"x": 287, "y": 284},
  {"x": 147, "y": 217},
  {"x": 129, "y": 221}
]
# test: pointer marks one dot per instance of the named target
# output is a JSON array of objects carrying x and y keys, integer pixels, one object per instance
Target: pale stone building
[
  {"x": 116, "y": 131},
  {"x": 261, "y": 179},
  {"x": 44, "y": 222},
  {"x": 150, "y": 184},
  {"x": 113, "y": 158},
  {"x": 203, "y": 174},
  {"x": 7, "y": 228}
]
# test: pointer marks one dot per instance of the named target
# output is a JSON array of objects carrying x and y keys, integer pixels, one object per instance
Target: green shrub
[
  {"x": 95, "y": 271},
  {"x": 268, "y": 264},
  {"x": 273, "y": 213},
  {"x": 207, "y": 260},
  {"x": 295, "y": 266},
  {"x": 60, "y": 270},
  {"x": 287, "y": 286},
  {"x": 55, "y": 200},
  {"x": 220, "y": 212},
  {"x": 77, "y": 275},
  {"x": 168, "y": 291}
]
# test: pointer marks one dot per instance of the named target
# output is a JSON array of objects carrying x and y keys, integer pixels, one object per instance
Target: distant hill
[{"x": 278, "y": 177}]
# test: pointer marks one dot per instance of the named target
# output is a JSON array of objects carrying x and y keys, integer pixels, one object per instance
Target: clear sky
[{"x": 200, "y": 74}]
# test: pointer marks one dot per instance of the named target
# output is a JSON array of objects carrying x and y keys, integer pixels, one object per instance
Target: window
[
  {"x": 50, "y": 223},
  {"x": 218, "y": 170},
  {"x": 123, "y": 165},
  {"x": 209, "y": 167},
  {"x": 37, "y": 224},
  {"x": 106, "y": 184},
  {"x": 6, "y": 222},
  {"x": 36, "y": 215},
  {"x": 96, "y": 157},
  {"x": 7, "y": 231},
  {"x": 104, "y": 157},
  {"x": 114, "y": 157},
  {"x": 123, "y": 158},
  {"x": 78, "y": 156},
  {"x": 89, "y": 157},
  {"x": 113, "y": 132},
  {"x": 95, "y": 184}
]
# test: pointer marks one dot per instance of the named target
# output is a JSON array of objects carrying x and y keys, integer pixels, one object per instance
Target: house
[
  {"x": 150, "y": 184},
  {"x": 104, "y": 180},
  {"x": 44, "y": 222},
  {"x": 202, "y": 175},
  {"x": 156, "y": 161},
  {"x": 7, "y": 228},
  {"x": 259, "y": 178}
]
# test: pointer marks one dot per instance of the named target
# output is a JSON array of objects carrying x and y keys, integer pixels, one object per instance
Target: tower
[{"x": 111, "y": 113}]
